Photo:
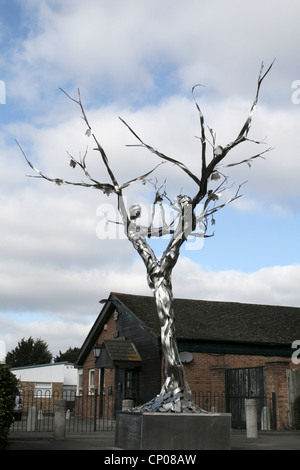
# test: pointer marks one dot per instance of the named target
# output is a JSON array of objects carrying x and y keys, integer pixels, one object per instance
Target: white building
[{"x": 46, "y": 379}]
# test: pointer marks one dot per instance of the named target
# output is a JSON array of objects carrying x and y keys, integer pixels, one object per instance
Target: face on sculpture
[{"x": 135, "y": 211}]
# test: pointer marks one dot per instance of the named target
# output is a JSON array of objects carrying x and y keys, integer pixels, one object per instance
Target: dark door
[
  {"x": 241, "y": 384},
  {"x": 119, "y": 387},
  {"x": 126, "y": 386},
  {"x": 131, "y": 385}
]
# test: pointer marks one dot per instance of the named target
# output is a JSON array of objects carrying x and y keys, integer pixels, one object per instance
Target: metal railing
[
  {"x": 84, "y": 413},
  {"x": 266, "y": 411},
  {"x": 97, "y": 412},
  {"x": 210, "y": 401}
]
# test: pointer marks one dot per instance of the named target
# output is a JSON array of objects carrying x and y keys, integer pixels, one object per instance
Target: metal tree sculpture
[{"x": 175, "y": 394}]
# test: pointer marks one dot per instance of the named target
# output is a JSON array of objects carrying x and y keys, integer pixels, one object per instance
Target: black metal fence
[
  {"x": 266, "y": 411},
  {"x": 210, "y": 401},
  {"x": 84, "y": 413},
  {"x": 222, "y": 403},
  {"x": 87, "y": 413}
]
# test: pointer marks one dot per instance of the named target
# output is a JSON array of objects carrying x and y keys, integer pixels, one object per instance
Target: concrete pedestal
[
  {"x": 32, "y": 419},
  {"x": 251, "y": 418},
  {"x": 60, "y": 419},
  {"x": 173, "y": 431}
]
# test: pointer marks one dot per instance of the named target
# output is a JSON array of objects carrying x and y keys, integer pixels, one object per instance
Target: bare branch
[
  {"x": 79, "y": 102},
  {"x": 242, "y": 136},
  {"x": 220, "y": 152},
  {"x": 99, "y": 148},
  {"x": 140, "y": 178},
  {"x": 248, "y": 160},
  {"x": 161, "y": 155},
  {"x": 105, "y": 161},
  {"x": 105, "y": 187},
  {"x": 73, "y": 163},
  {"x": 202, "y": 128},
  {"x": 234, "y": 198},
  {"x": 245, "y": 129}
]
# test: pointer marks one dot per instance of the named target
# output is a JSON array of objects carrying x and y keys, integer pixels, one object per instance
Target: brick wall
[
  {"x": 29, "y": 388},
  {"x": 275, "y": 373},
  {"x": 31, "y": 397},
  {"x": 206, "y": 373},
  {"x": 89, "y": 364}
]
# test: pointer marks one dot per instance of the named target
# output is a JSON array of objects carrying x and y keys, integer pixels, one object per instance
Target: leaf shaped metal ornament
[
  {"x": 72, "y": 163},
  {"x": 215, "y": 176},
  {"x": 218, "y": 151}
]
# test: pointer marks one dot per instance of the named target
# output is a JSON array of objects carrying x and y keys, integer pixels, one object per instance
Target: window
[
  {"x": 131, "y": 384},
  {"x": 80, "y": 377},
  {"x": 69, "y": 392},
  {"x": 91, "y": 381},
  {"x": 43, "y": 389}
]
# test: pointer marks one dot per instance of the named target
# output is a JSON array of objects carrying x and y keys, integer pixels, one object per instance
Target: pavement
[
  {"x": 266, "y": 440},
  {"x": 105, "y": 441},
  {"x": 102, "y": 440}
]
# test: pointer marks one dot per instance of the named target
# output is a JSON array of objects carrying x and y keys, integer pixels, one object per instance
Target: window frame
[
  {"x": 91, "y": 386},
  {"x": 43, "y": 389}
]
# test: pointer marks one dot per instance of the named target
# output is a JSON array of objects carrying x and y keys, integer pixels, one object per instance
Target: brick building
[
  {"x": 228, "y": 349},
  {"x": 44, "y": 382}
]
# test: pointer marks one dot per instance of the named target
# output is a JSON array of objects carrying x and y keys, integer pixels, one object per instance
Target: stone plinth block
[
  {"x": 173, "y": 431},
  {"x": 59, "y": 424},
  {"x": 251, "y": 417}
]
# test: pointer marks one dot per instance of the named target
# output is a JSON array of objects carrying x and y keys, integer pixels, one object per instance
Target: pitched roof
[
  {"x": 220, "y": 321},
  {"x": 206, "y": 321},
  {"x": 114, "y": 352}
]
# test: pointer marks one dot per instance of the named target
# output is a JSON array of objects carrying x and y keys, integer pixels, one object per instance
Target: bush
[
  {"x": 8, "y": 388},
  {"x": 296, "y": 410}
]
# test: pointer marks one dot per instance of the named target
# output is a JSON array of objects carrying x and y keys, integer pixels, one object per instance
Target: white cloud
[
  {"x": 137, "y": 60},
  {"x": 49, "y": 232},
  {"x": 64, "y": 326},
  {"x": 59, "y": 335},
  {"x": 123, "y": 46},
  {"x": 276, "y": 285}
]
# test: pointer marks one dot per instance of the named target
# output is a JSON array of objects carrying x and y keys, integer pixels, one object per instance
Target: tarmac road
[{"x": 104, "y": 440}]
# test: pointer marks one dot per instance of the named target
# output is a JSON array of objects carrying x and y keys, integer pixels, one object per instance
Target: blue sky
[{"x": 140, "y": 60}]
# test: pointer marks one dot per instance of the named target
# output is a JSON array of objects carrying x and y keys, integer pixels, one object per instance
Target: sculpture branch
[
  {"x": 219, "y": 153},
  {"x": 161, "y": 155}
]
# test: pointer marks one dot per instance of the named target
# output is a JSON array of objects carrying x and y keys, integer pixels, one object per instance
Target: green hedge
[
  {"x": 8, "y": 388},
  {"x": 297, "y": 412}
]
